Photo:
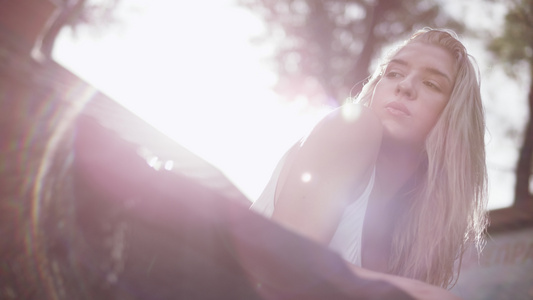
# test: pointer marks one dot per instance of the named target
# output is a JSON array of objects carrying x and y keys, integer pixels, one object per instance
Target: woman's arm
[{"x": 330, "y": 168}]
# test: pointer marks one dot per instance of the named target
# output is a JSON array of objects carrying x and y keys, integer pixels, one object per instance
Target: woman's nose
[{"x": 406, "y": 88}]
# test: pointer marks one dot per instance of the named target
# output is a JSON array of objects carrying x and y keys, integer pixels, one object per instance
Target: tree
[
  {"x": 73, "y": 13},
  {"x": 325, "y": 48},
  {"x": 513, "y": 47}
]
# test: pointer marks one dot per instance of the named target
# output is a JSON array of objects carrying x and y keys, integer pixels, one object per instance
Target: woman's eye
[
  {"x": 393, "y": 74},
  {"x": 432, "y": 85}
]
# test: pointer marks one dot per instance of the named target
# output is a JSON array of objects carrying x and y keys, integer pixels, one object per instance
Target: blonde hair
[{"x": 448, "y": 207}]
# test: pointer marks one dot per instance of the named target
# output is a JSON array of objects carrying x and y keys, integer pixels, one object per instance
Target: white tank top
[{"x": 347, "y": 238}]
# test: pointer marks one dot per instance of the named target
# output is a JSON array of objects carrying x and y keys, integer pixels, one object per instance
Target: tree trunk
[
  {"x": 360, "y": 71},
  {"x": 524, "y": 164},
  {"x": 67, "y": 16}
]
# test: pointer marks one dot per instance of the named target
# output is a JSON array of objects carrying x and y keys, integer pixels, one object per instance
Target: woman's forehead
[{"x": 423, "y": 55}]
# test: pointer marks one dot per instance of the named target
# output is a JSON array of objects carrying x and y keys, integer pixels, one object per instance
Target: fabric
[{"x": 347, "y": 238}]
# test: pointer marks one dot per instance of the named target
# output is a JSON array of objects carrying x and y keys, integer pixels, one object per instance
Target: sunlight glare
[
  {"x": 306, "y": 177},
  {"x": 351, "y": 112},
  {"x": 155, "y": 163},
  {"x": 169, "y": 164}
]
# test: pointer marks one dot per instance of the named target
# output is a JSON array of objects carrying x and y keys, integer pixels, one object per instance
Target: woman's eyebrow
[
  {"x": 439, "y": 73},
  {"x": 427, "y": 69},
  {"x": 398, "y": 61}
]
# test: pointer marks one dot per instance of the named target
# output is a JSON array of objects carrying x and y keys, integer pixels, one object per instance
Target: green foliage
[
  {"x": 515, "y": 44},
  {"x": 327, "y": 47}
]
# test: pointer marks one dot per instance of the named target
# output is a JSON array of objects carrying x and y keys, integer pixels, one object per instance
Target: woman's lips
[{"x": 397, "y": 108}]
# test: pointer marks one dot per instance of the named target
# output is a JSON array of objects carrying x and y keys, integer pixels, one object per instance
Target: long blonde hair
[{"x": 447, "y": 210}]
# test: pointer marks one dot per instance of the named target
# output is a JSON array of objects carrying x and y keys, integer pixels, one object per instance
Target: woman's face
[{"x": 413, "y": 91}]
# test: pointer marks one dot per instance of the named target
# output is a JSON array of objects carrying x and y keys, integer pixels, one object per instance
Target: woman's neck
[{"x": 395, "y": 166}]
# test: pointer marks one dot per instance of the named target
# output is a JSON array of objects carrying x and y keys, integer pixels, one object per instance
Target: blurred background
[{"x": 220, "y": 89}]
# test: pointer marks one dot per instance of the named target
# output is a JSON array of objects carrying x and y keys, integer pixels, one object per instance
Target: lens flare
[
  {"x": 351, "y": 112},
  {"x": 52, "y": 121},
  {"x": 306, "y": 177}
]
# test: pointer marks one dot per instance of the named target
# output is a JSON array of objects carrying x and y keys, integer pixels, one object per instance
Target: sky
[{"x": 189, "y": 69}]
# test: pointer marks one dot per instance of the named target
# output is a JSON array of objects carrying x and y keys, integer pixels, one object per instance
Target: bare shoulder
[
  {"x": 351, "y": 130},
  {"x": 342, "y": 148},
  {"x": 351, "y": 121},
  {"x": 326, "y": 172}
]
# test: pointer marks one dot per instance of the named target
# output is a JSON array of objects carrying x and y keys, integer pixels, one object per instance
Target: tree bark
[
  {"x": 524, "y": 164},
  {"x": 360, "y": 71}
]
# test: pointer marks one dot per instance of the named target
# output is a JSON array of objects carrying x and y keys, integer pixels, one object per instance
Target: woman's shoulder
[
  {"x": 345, "y": 144},
  {"x": 327, "y": 170},
  {"x": 351, "y": 126},
  {"x": 352, "y": 114}
]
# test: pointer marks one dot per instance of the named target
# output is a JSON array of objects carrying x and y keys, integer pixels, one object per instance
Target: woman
[{"x": 395, "y": 183}]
